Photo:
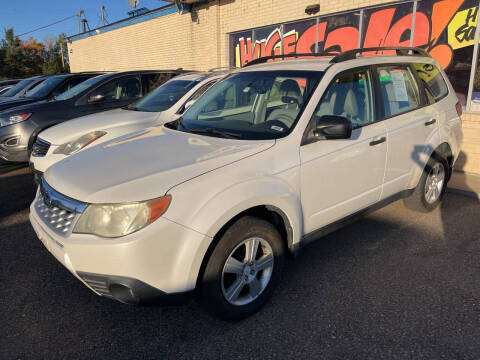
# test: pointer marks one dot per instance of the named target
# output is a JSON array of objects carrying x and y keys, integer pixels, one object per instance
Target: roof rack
[
  {"x": 345, "y": 55},
  {"x": 264, "y": 59},
  {"x": 400, "y": 51}
]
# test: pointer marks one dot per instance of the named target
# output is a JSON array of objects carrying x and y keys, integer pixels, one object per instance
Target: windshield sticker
[
  {"x": 399, "y": 87},
  {"x": 277, "y": 128}
]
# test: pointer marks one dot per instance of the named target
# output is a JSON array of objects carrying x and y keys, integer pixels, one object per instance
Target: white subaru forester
[{"x": 275, "y": 155}]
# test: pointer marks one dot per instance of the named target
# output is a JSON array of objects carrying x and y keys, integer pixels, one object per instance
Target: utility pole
[
  {"x": 61, "y": 54},
  {"x": 80, "y": 12},
  {"x": 102, "y": 9},
  {"x": 84, "y": 25}
]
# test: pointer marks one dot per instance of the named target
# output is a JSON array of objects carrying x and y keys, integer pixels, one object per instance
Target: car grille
[
  {"x": 56, "y": 210},
  {"x": 40, "y": 148}
]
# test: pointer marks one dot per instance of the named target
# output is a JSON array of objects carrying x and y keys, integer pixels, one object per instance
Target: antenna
[{"x": 133, "y": 3}]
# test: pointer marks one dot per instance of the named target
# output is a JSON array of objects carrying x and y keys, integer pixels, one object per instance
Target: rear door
[{"x": 409, "y": 119}]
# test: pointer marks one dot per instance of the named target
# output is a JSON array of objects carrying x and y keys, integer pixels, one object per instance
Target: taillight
[{"x": 459, "y": 109}]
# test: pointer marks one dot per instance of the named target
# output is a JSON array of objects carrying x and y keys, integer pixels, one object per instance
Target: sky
[{"x": 26, "y": 15}]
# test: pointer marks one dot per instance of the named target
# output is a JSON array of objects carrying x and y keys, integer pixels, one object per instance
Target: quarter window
[
  {"x": 432, "y": 80},
  {"x": 349, "y": 95},
  {"x": 399, "y": 90}
]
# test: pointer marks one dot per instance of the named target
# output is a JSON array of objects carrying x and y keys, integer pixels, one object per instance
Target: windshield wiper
[{"x": 213, "y": 131}]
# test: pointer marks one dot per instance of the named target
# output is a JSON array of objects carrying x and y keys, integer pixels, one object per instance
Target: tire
[
  {"x": 240, "y": 288},
  {"x": 420, "y": 200}
]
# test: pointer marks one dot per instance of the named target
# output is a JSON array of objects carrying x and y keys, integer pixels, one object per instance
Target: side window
[
  {"x": 67, "y": 85},
  {"x": 153, "y": 81},
  {"x": 121, "y": 89},
  {"x": 201, "y": 91},
  {"x": 399, "y": 89},
  {"x": 432, "y": 80},
  {"x": 350, "y": 95}
]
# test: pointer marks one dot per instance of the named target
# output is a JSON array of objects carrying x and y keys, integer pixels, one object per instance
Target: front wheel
[
  {"x": 243, "y": 269},
  {"x": 432, "y": 185}
]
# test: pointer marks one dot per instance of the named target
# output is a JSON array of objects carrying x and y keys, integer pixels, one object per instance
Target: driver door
[{"x": 340, "y": 177}]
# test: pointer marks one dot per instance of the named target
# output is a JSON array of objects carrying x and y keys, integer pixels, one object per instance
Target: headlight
[
  {"x": 115, "y": 220},
  {"x": 78, "y": 144},
  {"x": 14, "y": 119}
]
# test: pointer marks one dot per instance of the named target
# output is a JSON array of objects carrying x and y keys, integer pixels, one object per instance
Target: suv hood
[
  {"x": 145, "y": 165},
  {"x": 73, "y": 129}
]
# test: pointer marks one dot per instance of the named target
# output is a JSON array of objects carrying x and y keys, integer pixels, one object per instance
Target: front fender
[{"x": 210, "y": 210}]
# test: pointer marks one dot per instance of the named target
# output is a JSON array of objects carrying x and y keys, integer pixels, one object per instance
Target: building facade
[{"x": 223, "y": 33}]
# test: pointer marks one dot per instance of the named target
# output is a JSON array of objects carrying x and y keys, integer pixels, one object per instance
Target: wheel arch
[
  {"x": 270, "y": 213},
  {"x": 443, "y": 150}
]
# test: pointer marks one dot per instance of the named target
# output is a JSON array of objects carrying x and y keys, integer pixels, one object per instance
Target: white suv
[
  {"x": 165, "y": 103},
  {"x": 271, "y": 157}
]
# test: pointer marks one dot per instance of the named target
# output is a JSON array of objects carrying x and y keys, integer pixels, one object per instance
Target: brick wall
[
  {"x": 195, "y": 41},
  {"x": 469, "y": 159}
]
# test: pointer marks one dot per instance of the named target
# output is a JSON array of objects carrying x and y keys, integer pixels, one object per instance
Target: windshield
[
  {"x": 45, "y": 88},
  {"x": 18, "y": 87},
  {"x": 77, "y": 89},
  {"x": 165, "y": 96},
  {"x": 251, "y": 105}
]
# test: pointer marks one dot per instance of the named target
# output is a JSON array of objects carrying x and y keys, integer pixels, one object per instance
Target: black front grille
[{"x": 40, "y": 148}]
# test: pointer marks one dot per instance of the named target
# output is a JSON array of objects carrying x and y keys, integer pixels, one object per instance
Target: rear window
[{"x": 432, "y": 80}]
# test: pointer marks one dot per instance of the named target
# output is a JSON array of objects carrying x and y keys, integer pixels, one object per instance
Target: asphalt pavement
[{"x": 393, "y": 285}]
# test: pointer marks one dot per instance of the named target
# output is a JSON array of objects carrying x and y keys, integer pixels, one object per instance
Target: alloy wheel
[{"x": 247, "y": 271}]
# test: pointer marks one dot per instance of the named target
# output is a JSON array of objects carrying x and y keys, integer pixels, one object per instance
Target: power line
[{"x": 43, "y": 27}]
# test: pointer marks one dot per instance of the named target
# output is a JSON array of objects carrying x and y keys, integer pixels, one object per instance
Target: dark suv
[
  {"x": 21, "y": 88},
  {"x": 20, "y": 126},
  {"x": 48, "y": 89}
]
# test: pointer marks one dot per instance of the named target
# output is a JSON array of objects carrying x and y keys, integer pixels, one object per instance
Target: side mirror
[
  {"x": 96, "y": 98},
  {"x": 188, "y": 104},
  {"x": 331, "y": 127}
]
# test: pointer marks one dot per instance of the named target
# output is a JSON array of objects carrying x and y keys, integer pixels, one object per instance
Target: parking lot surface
[{"x": 393, "y": 285}]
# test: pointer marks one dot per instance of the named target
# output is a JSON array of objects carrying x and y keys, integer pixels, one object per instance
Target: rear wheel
[
  {"x": 430, "y": 190},
  {"x": 243, "y": 269}
]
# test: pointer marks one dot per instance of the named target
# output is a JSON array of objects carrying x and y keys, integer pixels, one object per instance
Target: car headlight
[
  {"x": 115, "y": 220},
  {"x": 14, "y": 119},
  {"x": 78, "y": 144}
]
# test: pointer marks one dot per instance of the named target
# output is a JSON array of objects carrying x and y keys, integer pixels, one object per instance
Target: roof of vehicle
[{"x": 200, "y": 75}]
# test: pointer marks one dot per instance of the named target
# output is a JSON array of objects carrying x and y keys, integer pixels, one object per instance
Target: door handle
[
  {"x": 378, "y": 140},
  {"x": 431, "y": 122}
]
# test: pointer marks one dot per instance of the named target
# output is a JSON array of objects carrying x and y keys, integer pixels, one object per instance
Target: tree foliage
[{"x": 24, "y": 58}]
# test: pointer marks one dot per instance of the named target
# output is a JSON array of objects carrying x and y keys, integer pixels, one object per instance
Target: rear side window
[
  {"x": 432, "y": 80},
  {"x": 399, "y": 90}
]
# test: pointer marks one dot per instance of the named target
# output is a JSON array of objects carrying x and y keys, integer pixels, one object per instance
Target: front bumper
[
  {"x": 14, "y": 154},
  {"x": 158, "y": 263},
  {"x": 14, "y": 140}
]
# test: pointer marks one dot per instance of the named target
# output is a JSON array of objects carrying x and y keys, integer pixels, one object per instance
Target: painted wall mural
[{"x": 445, "y": 28}]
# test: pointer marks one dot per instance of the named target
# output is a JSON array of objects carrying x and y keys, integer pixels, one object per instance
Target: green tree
[
  {"x": 53, "y": 59},
  {"x": 14, "y": 60}
]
